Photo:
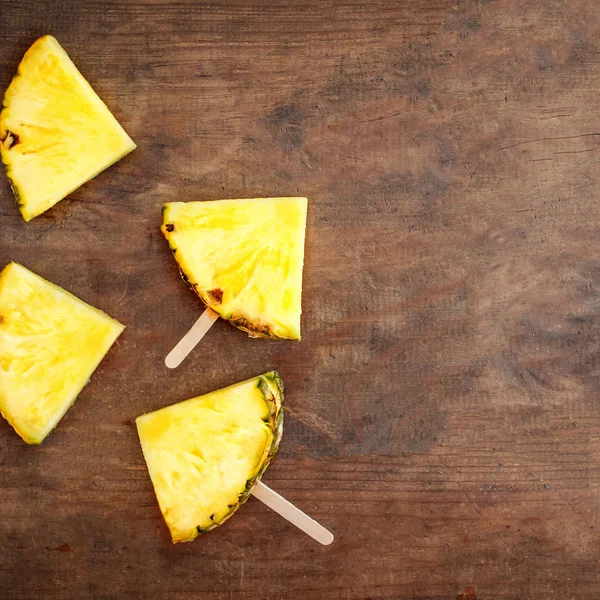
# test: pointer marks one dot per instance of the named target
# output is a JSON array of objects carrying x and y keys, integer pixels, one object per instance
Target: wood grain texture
[{"x": 443, "y": 406}]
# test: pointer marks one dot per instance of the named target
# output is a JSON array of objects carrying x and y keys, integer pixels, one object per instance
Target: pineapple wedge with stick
[
  {"x": 244, "y": 259},
  {"x": 55, "y": 132},
  {"x": 205, "y": 455},
  {"x": 50, "y": 344}
]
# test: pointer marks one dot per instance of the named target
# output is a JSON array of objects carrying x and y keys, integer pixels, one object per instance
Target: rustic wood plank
[{"x": 442, "y": 413}]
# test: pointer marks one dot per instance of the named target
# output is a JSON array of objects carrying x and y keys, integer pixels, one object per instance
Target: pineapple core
[
  {"x": 50, "y": 344},
  {"x": 244, "y": 259},
  {"x": 55, "y": 132},
  {"x": 205, "y": 455}
]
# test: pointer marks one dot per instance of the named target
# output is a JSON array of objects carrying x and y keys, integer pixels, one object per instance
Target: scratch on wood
[
  {"x": 578, "y": 151},
  {"x": 317, "y": 423},
  {"x": 382, "y": 118},
  {"x": 548, "y": 139}
]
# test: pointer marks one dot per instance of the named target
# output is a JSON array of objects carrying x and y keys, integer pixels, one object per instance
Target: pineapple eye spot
[
  {"x": 212, "y": 517},
  {"x": 1, "y": 319},
  {"x": 215, "y": 295},
  {"x": 170, "y": 227},
  {"x": 11, "y": 140}
]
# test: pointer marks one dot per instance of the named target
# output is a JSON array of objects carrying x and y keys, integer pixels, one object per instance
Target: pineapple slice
[
  {"x": 206, "y": 454},
  {"x": 244, "y": 259},
  {"x": 50, "y": 344},
  {"x": 56, "y": 132}
]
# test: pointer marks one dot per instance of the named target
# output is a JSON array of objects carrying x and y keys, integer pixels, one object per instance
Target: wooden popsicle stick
[
  {"x": 188, "y": 342},
  {"x": 292, "y": 513}
]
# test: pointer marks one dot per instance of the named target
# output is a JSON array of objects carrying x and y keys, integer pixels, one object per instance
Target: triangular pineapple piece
[
  {"x": 206, "y": 454},
  {"x": 244, "y": 259},
  {"x": 50, "y": 344},
  {"x": 56, "y": 132}
]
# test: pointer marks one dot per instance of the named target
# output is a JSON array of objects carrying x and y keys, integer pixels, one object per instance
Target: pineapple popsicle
[
  {"x": 50, "y": 344},
  {"x": 206, "y": 454},
  {"x": 55, "y": 132},
  {"x": 244, "y": 259}
]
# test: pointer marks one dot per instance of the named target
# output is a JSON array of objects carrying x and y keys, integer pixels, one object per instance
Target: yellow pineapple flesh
[
  {"x": 205, "y": 455},
  {"x": 50, "y": 344},
  {"x": 244, "y": 259},
  {"x": 55, "y": 132}
]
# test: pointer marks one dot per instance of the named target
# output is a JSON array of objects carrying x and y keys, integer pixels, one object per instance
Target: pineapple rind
[
  {"x": 272, "y": 390},
  {"x": 271, "y": 321},
  {"x": 34, "y": 404},
  {"x": 79, "y": 135}
]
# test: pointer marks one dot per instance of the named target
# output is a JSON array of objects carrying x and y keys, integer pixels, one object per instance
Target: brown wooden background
[{"x": 443, "y": 416}]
